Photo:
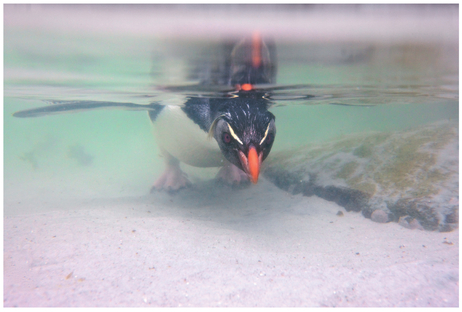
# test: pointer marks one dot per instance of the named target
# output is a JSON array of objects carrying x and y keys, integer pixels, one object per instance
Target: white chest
[{"x": 183, "y": 139}]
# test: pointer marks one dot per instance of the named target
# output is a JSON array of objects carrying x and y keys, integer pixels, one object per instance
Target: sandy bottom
[{"x": 215, "y": 246}]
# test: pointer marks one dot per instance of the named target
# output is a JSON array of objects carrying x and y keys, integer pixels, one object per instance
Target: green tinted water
[{"x": 386, "y": 87}]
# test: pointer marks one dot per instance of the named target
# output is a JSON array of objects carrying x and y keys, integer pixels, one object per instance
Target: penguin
[
  {"x": 233, "y": 130},
  {"x": 236, "y": 134}
]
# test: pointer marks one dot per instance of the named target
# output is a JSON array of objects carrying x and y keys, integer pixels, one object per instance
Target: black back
[{"x": 240, "y": 111}]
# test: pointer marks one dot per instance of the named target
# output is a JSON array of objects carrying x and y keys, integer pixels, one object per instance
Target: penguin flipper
[{"x": 62, "y": 107}]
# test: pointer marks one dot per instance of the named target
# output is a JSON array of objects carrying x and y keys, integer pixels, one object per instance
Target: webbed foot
[{"x": 173, "y": 179}]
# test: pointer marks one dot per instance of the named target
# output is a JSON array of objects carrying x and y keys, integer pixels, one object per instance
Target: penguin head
[{"x": 245, "y": 134}]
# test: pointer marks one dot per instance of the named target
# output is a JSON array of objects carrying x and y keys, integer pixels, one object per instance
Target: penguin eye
[
  {"x": 269, "y": 138},
  {"x": 226, "y": 137}
]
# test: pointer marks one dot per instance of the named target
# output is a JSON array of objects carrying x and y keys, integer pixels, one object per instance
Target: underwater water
[{"x": 80, "y": 165}]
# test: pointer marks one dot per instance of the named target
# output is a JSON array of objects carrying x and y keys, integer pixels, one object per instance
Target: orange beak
[
  {"x": 254, "y": 164},
  {"x": 251, "y": 164}
]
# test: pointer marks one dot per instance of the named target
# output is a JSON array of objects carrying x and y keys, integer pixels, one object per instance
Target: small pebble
[
  {"x": 409, "y": 224},
  {"x": 340, "y": 213},
  {"x": 379, "y": 216},
  {"x": 415, "y": 225}
]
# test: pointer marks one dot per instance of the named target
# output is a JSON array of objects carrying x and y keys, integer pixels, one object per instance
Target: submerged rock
[
  {"x": 387, "y": 176},
  {"x": 30, "y": 158},
  {"x": 380, "y": 216},
  {"x": 78, "y": 153}
]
